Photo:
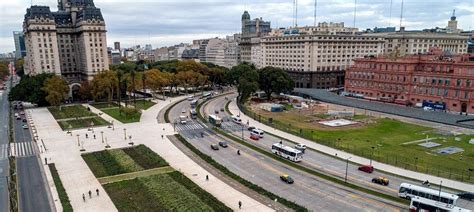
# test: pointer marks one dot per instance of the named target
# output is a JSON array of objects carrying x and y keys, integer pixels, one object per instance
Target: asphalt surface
[
  {"x": 309, "y": 191},
  {"x": 418, "y": 113},
  {"x": 33, "y": 191},
  {"x": 316, "y": 160},
  {"x": 4, "y": 166}
]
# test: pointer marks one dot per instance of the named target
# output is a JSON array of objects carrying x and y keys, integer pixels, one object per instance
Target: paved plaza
[{"x": 64, "y": 150}]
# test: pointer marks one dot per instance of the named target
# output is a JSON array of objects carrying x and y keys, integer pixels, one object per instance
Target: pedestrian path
[{"x": 354, "y": 158}]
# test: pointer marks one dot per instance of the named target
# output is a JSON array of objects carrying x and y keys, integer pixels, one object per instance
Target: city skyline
[{"x": 132, "y": 24}]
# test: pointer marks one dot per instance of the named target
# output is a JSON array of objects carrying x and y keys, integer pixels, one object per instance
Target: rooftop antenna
[
  {"x": 401, "y": 15},
  {"x": 355, "y": 13},
  {"x": 315, "y": 11},
  {"x": 390, "y": 19},
  {"x": 296, "y": 13}
]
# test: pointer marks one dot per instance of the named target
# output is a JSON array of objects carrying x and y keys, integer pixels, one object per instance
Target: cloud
[{"x": 167, "y": 22}]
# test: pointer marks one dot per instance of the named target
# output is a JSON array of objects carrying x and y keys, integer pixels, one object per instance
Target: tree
[
  {"x": 85, "y": 91},
  {"x": 27, "y": 90},
  {"x": 104, "y": 84},
  {"x": 274, "y": 80},
  {"x": 4, "y": 71},
  {"x": 246, "y": 78},
  {"x": 20, "y": 71},
  {"x": 56, "y": 89}
]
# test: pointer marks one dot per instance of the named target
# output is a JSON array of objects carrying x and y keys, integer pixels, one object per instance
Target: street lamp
[
  {"x": 372, "y": 155},
  {"x": 347, "y": 166},
  {"x": 78, "y": 144},
  {"x": 125, "y": 133},
  {"x": 113, "y": 127},
  {"x": 92, "y": 126},
  {"x": 130, "y": 138},
  {"x": 102, "y": 135},
  {"x": 106, "y": 143},
  {"x": 82, "y": 148},
  {"x": 416, "y": 159}
]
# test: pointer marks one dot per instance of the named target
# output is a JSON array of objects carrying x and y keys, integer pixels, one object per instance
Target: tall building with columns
[{"x": 70, "y": 42}]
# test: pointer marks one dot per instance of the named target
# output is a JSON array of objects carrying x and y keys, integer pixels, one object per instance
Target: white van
[
  {"x": 182, "y": 119},
  {"x": 190, "y": 98},
  {"x": 259, "y": 132},
  {"x": 236, "y": 119}
]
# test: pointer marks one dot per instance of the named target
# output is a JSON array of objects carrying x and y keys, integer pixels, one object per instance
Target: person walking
[
  {"x": 83, "y": 197},
  {"x": 240, "y": 204},
  {"x": 87, "y": 136},
  {"x": 161, "y": 137},
  {"x": 207, "y": 177},
  {"x": 97, "y": 191},
  {"x": 94, "y": 136},
  {"x": 90, "y": 194}
]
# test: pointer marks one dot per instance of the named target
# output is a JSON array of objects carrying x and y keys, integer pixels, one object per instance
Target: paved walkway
[
  {"x": 63, "y": 150},
  {"x": 344, "y": 155}
]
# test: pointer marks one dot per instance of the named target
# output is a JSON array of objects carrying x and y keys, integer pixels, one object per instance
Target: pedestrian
[
  {"x": 94, "y": 136},
  {"x": 83, "y": 197},
  {"x": 87, "y": 136},
  {"x": 207, "y": 177},
  {"x": 45, "y": 161},
  {"x": 129, "y": 137},
  {"x": 163, "y": 129},
  {"x": 90, "y": 194},
  {"x": 161, "y": 137},
  {"x": 97, "y": 191},
  {"x": 240, "y": 204}
]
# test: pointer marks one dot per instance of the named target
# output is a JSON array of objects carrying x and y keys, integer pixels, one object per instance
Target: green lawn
[
  {"x": 162, "y": 192},
  {"x": 382, "y": 140},
  {"x": 102, "y": 105},
  {"x": 60, "y": 188},
  {"x": 82, "y": 123},
  {"x": 145, "y": 157},
  {"x": 115, "y": 113},
  {"x": 142, "y": 104},
  {"x": 72, "y": 111}
]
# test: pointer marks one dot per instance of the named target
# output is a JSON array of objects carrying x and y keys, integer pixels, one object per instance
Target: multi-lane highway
[
  {"x": 314, "y": 193},
  {"x": 316, "y": 160}
]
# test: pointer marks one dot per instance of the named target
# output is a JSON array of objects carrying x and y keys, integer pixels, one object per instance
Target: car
[
  {"x": 254, "y": 136},
  {"x": 214, "y": 147},
  {"x": 183, "y": 111},
  {"x": 23, "y": 120},
  {"x": 287, "y": 179},
  {"x": 380, "y": 180},
  {"x": 223, "y": 144},
  {"x": 428, "y": 109},
  {"x": 366, "y": 168},
  {"x": 300, "y": 147},
  {"x": 222, "y": 109},
  {"x": 467, "y": 195},
  {"x": 18, "y": 118},
  {"x": 251, "y": 128},
  {"x": 190, "y": 98},
  {"x": 24, "y": 126},
  {"x": 216, "y": 111},
  {"x": 22, "y": 113}
]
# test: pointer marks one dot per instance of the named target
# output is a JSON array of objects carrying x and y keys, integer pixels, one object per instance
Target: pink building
[{"x": 435, "y": 77}]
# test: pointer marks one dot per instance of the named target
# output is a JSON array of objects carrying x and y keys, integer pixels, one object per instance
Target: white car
[
  {"x": 182, "y": 119},
  {"x": 190, "y": 98},
  {"x": 428, "y": 109},
  {"x": 300, "y": 147}
]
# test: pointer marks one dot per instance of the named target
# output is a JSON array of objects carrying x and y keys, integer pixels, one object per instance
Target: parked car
[
  {"x": 23, "y": 120},
  {"x": 366, "y": 168},
  {"x": 18, "y": 117},
  {"x": 223, "y": 144},
  {"x": 24, "y": 126},
  {"x": 287, "y": 179},
  {"x": 222, "y": 109},
  {"x": 300, "y": 147},
  {"x": 251, "y": 128},
  {"x": 216, "y": 111},
  {"x": 214, "y": 147},
  {"x": 254, "y": 136},
  {"x": 380, "y": 180},
  {"x": 22, "y": 113},
  {"x": 467, "y": 195}
]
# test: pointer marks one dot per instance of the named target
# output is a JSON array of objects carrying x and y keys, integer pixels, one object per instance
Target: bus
[
  {"x": 423, "y": 204},
  {"x": 409, "y": 191},
  {"x": 215, "y": 120},
  {"x": 206, "y": 95},
  {"x": 287, "y": 152},
  {"x": 193, "y": 113},
  {"x": 194, "y": 103}
]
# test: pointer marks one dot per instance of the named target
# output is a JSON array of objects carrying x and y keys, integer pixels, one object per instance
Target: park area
[
  {"x": 75, "y": 117},
  {"x": 386, "y": 140},
  {"x": 128, "y": 114},
  {"x": 137, "y": 179}
]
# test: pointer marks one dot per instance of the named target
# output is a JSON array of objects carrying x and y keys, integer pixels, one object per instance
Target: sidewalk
[
  {"x": 63, "y": 150},
  {"x": 357, "y": 159}
]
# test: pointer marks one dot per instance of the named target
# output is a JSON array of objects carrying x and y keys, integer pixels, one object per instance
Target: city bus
[
  {"x": 215, "y": 120},
  {"x": 287, "y": 152},
  {"x": 423, "y": 204},
  {"x": 193, "y": 113},
  {"x": 194, "y": 103},
  {"x": 409, "y": 191}
]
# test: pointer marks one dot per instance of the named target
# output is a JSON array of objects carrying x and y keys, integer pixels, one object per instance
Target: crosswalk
[
  {"x": 190, "y": 125},
  {"x": 20, "y": 149},
  {"x": 231, "y": 126}
]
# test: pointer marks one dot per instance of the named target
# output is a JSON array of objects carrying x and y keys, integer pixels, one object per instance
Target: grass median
[{"x": 60, "y": 188}]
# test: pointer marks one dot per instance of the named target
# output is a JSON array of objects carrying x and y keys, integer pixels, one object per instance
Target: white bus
[
  {"x": 215, "y": 120},
  {"x": 287, "y": 152},
  {"x": 423, "y": 204},
  {"x": 194, "y": 103},
  {"x": 236, "y": 119},
  {"x": 410, "y": 191},
  {"x": 193, "y": 113}
]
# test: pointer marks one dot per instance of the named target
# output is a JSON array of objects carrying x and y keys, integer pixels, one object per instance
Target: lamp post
[
  {"x": 82, "y": 146},
  {"x": 106, "y": 143},
  {"x": 102, "y": 135},
  {"x": 125, "y": 133},
  {"x": 372, "y": 155},
  {"x": 439, "y": 193},
  {"x": 92, "y": 126},
  {"x": 242, "y": 132},
  {"x": 347, "y": 166},
  {"x": 416, "y": 167},
  {"x": 78, "y": 144},
  {"x": 113, "y": 127}
]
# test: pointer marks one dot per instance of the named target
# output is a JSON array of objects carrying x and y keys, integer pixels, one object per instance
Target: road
[
  {"x": 4, "y": 166},
  {"x": 314, "y": 193},
  {"x": 316, "y": 160},
  {"x": 33, "y": 191}
]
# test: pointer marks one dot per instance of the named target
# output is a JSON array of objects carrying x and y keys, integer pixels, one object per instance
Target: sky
[{"x": 169, "y": 22}]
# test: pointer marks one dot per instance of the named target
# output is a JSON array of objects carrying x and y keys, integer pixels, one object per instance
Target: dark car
[
  {"x": 214, "y": 147},
  {"x": 222, "y": 109},
  {"x": 467, "y": 196},
  {"x": 380, "y": 180},
  {"x": 23, "y": 120},
  {"x": 251, "y": 128},
  {"x": 366, "y": 168},
  {"x": 286, "y": 178},
  {"x": 223, "y": 144}
]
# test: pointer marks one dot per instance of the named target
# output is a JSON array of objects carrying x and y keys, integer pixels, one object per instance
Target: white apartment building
[
  {"x": 70, "y": 42},
  {"x": 222, "y": 52}
]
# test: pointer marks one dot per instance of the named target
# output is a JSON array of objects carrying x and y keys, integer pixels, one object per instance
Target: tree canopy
[
  {"x": 56, "y": 89},
  {"x": 29, "y": 89},
  {"x": 274, "y": 80}
]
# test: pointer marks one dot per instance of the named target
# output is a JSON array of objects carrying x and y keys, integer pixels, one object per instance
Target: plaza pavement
[
  {"x": 77, "y": 178},
  {"x": 233, "y": 108}
]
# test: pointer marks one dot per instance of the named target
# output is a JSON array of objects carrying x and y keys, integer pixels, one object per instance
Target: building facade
[
  {"x": 251, "y": 29},
  {"x": 435, "y": 77},
  {"x": 20, "y": 49},
  {"x": 117, "y": 45},
  {"x": 70, "y": 42}
]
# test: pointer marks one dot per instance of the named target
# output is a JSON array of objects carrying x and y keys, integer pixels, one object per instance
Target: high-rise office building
[
  {"x": 20, "y": 49},
  {"x": 70, "y": 42},
  {"x": 117, "y": 46}
]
